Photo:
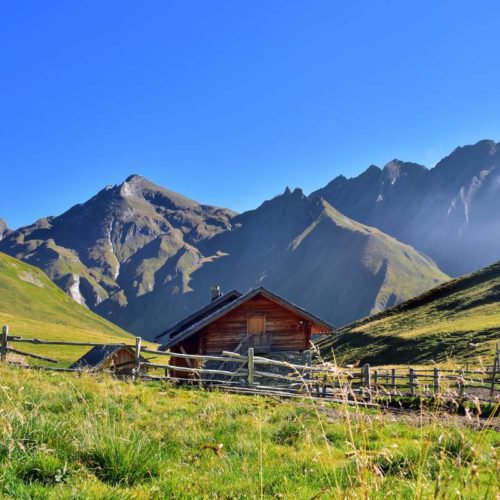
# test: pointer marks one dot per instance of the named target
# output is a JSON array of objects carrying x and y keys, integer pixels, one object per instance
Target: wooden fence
[{"x": 263, "y": 375}]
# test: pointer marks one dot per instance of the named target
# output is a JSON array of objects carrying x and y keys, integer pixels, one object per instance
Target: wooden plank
[
  {"x": 201, "y": 357},
  {"x": 60, "y": 342},
  {"x": 192, "y": 370},
  {"x": 267, "y": 361},
  {"x": 36, "y": 356}
]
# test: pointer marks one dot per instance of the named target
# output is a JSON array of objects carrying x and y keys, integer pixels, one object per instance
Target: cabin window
[{"x": 256, "y": 324}]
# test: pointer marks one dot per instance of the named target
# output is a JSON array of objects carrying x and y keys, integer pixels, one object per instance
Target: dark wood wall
[
  {"x": 288, "y": 331},
  {"x": 123, "y": 359}
]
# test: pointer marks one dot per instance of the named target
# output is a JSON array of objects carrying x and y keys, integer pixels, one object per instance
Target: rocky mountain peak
[
  {"x": 134, "y": 177},
  {"x": 3, "y": 228}
]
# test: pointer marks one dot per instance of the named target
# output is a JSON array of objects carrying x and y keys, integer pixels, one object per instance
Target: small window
[{"x": 256, "y": 324}]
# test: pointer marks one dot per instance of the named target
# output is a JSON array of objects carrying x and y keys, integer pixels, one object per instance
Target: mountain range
[
  {"x": 450, "y": 212},
  {"x": 143, "y": 256}
]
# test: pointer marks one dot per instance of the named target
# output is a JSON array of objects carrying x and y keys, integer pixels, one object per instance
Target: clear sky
[{"x": 229, "y": 102}]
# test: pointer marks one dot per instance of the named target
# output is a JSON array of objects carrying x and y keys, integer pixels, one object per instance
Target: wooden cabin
[
  {"x": 116, "y": 358},
  {"x": 235, "y": 322}
]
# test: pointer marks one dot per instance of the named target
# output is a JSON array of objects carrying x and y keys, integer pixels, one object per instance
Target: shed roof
[
  {"x": 94, "y": 358},
  {"x": 194, "y": 326},
  {"x": 200, "y": 314}
]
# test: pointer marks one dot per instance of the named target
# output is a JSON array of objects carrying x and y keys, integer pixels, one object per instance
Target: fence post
[
  {"x": 375, "y": 378},
  {"x": 138, "y": 345},
  {"x": 494, "y": 374},
  {"x": 436, "y": 380},
  {"x": 461, "y": 383},
  {"x": 366, "y": 376},
  {"x": 308, "y": 362},
  {"x": 3, "y": 346},
  {"x": 393, "y": 379},
  {"x": 251, "y": 366},
  {"x": 413, "y": 389}
]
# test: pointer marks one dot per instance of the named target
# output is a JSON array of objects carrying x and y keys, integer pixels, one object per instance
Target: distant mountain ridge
[
  {"x": 143, "y": 256},
  {"x": 450, "y": 212},
  {"x": 91, "y": 250}
]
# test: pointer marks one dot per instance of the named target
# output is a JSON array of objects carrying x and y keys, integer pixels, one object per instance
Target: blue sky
[{"x": 229, "y": 102}]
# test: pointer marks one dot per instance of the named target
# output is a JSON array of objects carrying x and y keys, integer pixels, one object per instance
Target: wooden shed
[
  {"x": 116, "y": 358},
  {"x": 234, "y": 322}
]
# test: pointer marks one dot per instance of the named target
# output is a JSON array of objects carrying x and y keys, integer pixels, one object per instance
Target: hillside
[
  {"x": 110, "y": 247},
  {"x": 33, "y": 306},
  {"x": 449, "y": 212},
  {"x": 143, "y": 256},
  {"x": 301, "y": 249},
  {"x": 319, "y": 258},
  {"x": 459, "y": 320}
]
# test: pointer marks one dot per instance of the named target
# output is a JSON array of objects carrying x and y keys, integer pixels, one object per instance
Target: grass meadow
[{"x": 80, "y": 436}]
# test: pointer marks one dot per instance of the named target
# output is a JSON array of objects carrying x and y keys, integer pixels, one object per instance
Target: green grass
[
  {"x": 33, "y": 306},
  {"x": 67, "y": 436},
  {"x": 458, "y": 321}
]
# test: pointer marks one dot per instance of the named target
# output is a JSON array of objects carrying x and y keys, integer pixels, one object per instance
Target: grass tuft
[{"x": 122, "y": 460}]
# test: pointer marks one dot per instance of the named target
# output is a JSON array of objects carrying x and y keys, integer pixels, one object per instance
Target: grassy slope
[
  {"x": 33, "y": 306},
  {"x": 151, "y": 441},
  {"x": 459, "y": 320}
]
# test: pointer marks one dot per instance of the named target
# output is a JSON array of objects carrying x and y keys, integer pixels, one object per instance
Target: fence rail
[{"x": 258, "y": 373}]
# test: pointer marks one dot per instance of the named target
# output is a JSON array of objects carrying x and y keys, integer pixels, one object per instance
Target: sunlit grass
[{"x": 69, "y": 436}]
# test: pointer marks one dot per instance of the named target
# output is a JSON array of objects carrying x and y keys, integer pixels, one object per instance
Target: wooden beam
[
  {"x": 60, "y": 342},
  {"x": 36, "y": 356},
  {"x": 201, "y": 357},
  {"x": 192, "y": 370}
]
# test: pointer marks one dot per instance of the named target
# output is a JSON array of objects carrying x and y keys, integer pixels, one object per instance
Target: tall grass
[{"x": 64, "y": 436}]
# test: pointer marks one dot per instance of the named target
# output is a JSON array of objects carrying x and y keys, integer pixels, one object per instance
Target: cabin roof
[
  {"x": 192, "y": 327},
  {"x": 94, "y": 358},
  {"x": 200, "y": 314}
]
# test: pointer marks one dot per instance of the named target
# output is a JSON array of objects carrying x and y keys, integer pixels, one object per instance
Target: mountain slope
[
  {"x": 306, "y": 251},
  {"x": 459, "y": 319},
  {"x": 110, "y": 248},
  {"x": 448, "y": 212},
  {"x": 143, "y": 257},
  {"x": 33, "y": 306},
  {"x": 314, "y": 255}
]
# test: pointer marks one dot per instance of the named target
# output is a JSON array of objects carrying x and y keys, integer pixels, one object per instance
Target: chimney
[{"x": 215, "y": 292}]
